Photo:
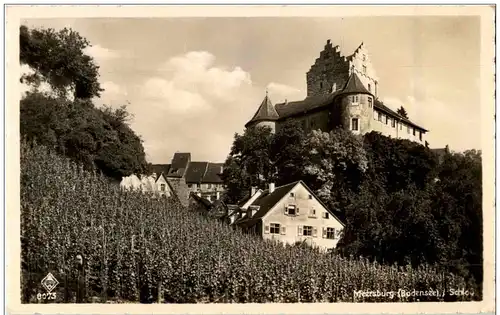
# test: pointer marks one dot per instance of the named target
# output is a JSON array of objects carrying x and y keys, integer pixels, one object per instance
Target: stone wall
[
  {"x": 181, "y": 189},
  {"x": 329, "y": 69}
]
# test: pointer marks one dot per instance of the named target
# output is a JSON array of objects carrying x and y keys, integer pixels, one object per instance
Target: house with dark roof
[
  {"x": 186, "y": 177},
  {"x": 341, "y": 92},
  {"x": 290, "y": 213}
]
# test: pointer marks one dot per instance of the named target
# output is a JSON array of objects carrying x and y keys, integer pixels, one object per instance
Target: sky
[{"x": 192, "y": 83}]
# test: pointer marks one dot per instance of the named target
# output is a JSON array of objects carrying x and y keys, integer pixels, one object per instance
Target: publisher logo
[{"x": 49, "y": 282}]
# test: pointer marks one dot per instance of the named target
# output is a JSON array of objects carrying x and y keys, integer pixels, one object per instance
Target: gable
[{"x": 304, "y": 199}]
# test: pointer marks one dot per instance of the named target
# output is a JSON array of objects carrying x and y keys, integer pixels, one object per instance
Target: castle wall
[
  {"x": 387, "y": 126},
  {"x": 270, "y": 124},
  {"x": 319, "y": 120},
  {"x": 359, "y": 107},
  {"x": 329, "y": 69},
  {"x": 361, "y": 64}
]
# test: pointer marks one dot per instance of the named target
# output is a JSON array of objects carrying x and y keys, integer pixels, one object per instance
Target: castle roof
[
  {"x": 308, "y": 104},
  {"x": 266, "y": 111},
  {"x": 354, "y": 85}
]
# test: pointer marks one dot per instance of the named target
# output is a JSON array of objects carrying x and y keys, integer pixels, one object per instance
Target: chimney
[
  {"x": 271, "y": 188},
  {"x": 253, "y": 191}
]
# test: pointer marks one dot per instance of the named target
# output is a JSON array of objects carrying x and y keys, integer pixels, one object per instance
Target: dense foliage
[
  {"x": 401, "y": 202},
  {"x": 96, "y": 137},
  {"x": 137, "y": 248},
  {"x": 58, "y": 58}
]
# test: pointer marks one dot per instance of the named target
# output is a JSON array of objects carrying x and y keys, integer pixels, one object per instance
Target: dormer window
[
  {"x": 369, "y": 87},
  {"x": 364, "y": 69}
]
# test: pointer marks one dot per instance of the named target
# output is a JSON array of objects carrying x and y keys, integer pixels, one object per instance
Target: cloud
[
  {"x": 112, "y": 89},
  {"x": 101, "y": 53},
  {"x": 42, "y": 87},
  {"x": 193, "y": 104},
  {"x": 281, "y": 92}
]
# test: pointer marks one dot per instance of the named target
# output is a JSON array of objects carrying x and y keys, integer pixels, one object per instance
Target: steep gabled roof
[
  {"x": 354, "y": 85},
  {"x": 212, "y": 174},
  {"x": 267, "y": 201},
  {"x": 160, "y": 168},
  {"x": 179, "y": 164},
  {"x": 266, "y": 111},
  {"x": 310, "y": 103},
  {"x": 195, "y": 172}
]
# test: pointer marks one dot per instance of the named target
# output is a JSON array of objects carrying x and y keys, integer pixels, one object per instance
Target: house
[
  {"x": 185, "y": 176},
  {"x": 216, "y": 209},
  {"x": 290, "y": 213},
  {"x": 341, "y": 92},
  {"x": 157, "y": 185}
]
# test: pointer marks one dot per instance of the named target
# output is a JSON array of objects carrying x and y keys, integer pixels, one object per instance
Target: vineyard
[{"x": 140, "y": 249}]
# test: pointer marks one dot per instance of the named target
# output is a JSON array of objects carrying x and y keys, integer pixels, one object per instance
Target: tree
[
  {"x": 249, "y": 162},
  {"x": 402, "y": 112},
  {"x": 335, "y": 165},
  {"x": 94, "y": 137},
  {"x": 58, "y": 59},
  {"x": 288, "y": 152}
]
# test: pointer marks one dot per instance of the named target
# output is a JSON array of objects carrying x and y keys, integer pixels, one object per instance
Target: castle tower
[
  {"x": 333, "y": 69},
  {"x": 266, "y": 115},
  {"x": 356, "y": 108}
]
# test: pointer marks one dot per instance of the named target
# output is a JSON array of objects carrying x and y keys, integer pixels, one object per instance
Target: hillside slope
[{"x": 136, "y": 248}]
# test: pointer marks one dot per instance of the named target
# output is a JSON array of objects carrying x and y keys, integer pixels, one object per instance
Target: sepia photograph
[{"x": 254, "y": 159}]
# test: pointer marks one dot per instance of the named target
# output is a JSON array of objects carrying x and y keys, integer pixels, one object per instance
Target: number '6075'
[{"x": 46, "y": 296}]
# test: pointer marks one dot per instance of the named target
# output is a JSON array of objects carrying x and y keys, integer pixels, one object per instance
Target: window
[
  {"x": 310, "y": 197},
  {"x": 369, "y": 87},
  {"x": 387, "y": 120},
  {"x": 292, "y": 194},
  {"x": 195, "y": 186},
  {"x": 189, "y": 185},
  {"x": 364, "y": 69},
  {"x": 370, "y": 102},
  {"x": 321, "y": 85},
  {"x": 414, "y": 131},
  {"x": 209, "y": 186},
  {"x": 326, "y": 215},
  {"x": 307, "y": 230},
  {"x": 330, "y": 233},
  {"x": 400, "y": 126},
  {"x": 420, "y": 135},
  {"x": 354, "y": 125},
  {"x": 408, "y": 129},
  {"x": 162, "y": 187},
  {"x": 312, "y": 213},
  {"x": 291, "y": 210},
  {"x": 275, "y": 228},
  {"x": 379, "y": 116},
  {"x": 355, "y": 99}
]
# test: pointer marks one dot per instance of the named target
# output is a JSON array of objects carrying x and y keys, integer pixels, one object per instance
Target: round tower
[
  {"x": 357, "y": 106},
  {"x": 266, "y": 115}
]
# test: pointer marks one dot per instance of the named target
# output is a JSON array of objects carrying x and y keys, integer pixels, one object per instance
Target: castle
[{"x": 341, "y": 92}]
